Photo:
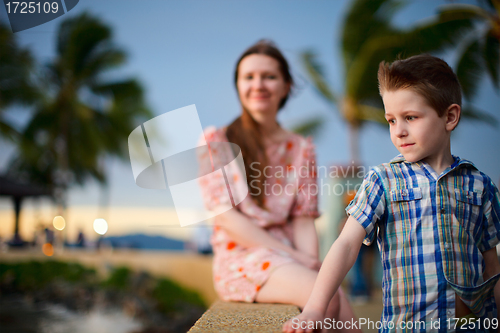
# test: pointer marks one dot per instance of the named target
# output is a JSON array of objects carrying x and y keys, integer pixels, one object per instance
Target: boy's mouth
[{"x": 406, "y": 145}]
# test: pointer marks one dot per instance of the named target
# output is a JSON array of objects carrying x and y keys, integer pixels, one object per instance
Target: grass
[{"x": 35, "y": 275}]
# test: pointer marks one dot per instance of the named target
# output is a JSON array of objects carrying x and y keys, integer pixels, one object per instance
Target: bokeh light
[
  {"x": 100, "y": 226},
  {"x": 59, "y": 223},
  {"x": 48, "y": 249}
]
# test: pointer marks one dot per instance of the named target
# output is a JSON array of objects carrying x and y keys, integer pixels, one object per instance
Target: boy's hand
[{"x": 305, "y": 322}]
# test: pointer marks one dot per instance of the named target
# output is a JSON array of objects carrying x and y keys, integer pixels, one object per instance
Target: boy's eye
[
  {"x": 391, "y": 121},
  {"x": 411, "y": 118},
  {"x": 272, "y": 77}
]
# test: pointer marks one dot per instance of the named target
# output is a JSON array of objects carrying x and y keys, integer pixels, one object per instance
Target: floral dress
[{"x": 290, "y": 191}]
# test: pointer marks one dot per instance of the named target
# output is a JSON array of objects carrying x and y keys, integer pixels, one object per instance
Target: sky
[{"x": 184, "y": 52}]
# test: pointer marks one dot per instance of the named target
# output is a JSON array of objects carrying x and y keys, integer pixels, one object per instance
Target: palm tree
[
  {"x": 479, "y": 51},
  {"x": 368, "y": 37},
  {"x": 83, "y": 117},
  {"x": 16, "y": 84}
]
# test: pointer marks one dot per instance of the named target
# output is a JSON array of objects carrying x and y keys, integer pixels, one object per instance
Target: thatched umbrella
[{"x": 18, "y": 191}]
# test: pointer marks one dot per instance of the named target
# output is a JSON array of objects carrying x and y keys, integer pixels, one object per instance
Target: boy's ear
[{"x": 452, "y": 116}]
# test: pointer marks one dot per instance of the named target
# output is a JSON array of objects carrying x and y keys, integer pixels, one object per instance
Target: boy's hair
[{"x": 426, "y": 75}]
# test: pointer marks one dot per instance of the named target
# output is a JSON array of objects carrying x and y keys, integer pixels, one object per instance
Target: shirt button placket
[{"x": 446, "y": 236}]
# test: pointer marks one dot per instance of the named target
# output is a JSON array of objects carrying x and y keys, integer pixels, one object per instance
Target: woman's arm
[
  {"x": 337, "y": 263},
  {"x": 246, "y": 233},
  {"x": 305, "y": 208},
  {"x": 305, "y": 238}
]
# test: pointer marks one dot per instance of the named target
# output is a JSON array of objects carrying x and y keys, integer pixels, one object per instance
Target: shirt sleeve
[
  {"x": 368, "y": 206},
  {"x": 491, "y": 217},
  {"x": 212, "y": 184},
  {"x": 306, "y": 203}
]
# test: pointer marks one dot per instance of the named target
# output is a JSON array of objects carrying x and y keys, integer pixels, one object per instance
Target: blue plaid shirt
[{"x": 431, "y": 231}]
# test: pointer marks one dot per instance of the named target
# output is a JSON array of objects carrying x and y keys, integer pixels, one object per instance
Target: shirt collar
[
  {"x": 457, "y": 163},
  {"x": 397, "y": 159}
]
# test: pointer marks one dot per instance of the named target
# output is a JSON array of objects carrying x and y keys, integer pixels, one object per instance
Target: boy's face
[{"x": 416, "y": 129}]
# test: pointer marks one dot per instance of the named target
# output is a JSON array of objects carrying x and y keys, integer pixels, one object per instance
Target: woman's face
[{"x": 261, "y": 86}]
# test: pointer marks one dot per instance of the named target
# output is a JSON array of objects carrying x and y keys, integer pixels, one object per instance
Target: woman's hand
[
  {"x": 247, "y": 233},
  {"x": 305, "y": 322},
  {"x": 307, "y": 260}
]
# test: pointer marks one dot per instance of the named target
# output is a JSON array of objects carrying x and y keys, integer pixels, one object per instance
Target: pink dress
[{"x": 291, "y": 191}]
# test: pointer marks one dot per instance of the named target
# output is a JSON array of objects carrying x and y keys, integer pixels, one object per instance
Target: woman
[{"x": 266, "y": 250}]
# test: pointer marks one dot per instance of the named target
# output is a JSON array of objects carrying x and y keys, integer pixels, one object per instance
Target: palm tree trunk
[
  {"x": 62, "y": 180},
  {"x": 17, "y": 210}
]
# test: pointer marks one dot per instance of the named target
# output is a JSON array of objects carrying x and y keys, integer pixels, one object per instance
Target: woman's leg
[{"x": 293, "y": 284}]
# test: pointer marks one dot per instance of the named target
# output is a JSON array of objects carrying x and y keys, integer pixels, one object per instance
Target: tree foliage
[
  {"x": 83, "y": 116},
  {"x": 369, "y": 37},
  {"x": 16, "y": 79}
]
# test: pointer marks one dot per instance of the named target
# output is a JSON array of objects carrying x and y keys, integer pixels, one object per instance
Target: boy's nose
[{"x": 401, "y": 131}]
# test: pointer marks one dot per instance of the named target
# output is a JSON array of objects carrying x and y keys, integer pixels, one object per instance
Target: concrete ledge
[{"x": 244, "y": 317}]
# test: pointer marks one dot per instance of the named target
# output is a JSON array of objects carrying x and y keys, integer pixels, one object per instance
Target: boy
[{"x": 435, "y": 216}]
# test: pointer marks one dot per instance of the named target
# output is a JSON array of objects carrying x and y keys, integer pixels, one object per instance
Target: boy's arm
[
  {"x": 338, "y": 262},
  {"x": 491, "y": 211},
  {"x": 491, "y": 268}
]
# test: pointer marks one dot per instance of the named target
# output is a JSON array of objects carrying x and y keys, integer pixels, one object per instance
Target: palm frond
[
  {"x": 84, "y": 47},
  {"x": 432, "y": 35},
  {"x": 494, "y": 5},
  {"x": 16, "y": 65},
  {"x": 361, "y": 77},
  {"x": 473, "y": 113},
  {"x": 491, "y": 56},
  {"x": 462, "y": 12},
  {"x": 470, "y": 69},
  {"x": 437, "y": 33},
  {"x": 309, "y": 127},
  {"x": 104, "y": 60},
  {"x": 366, "y": 19},
  {"x": 119, "y": 89},
  {"x": 371, "y": 113},
  {"x": 9, "y": 132},
  {"x": 315, "y": 71}
]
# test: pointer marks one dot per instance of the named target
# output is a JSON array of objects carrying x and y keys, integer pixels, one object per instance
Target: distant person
[
  {"x": 34, "y": 242},
  {"x": 49, "y": 236},
  {"x": 100, "y": 243},
  {"x": 266, "y": 249},
  {"x": 80, "y": 242},
  {"x": 435, "y": 216},
  {"x": 39, "y": 236}
]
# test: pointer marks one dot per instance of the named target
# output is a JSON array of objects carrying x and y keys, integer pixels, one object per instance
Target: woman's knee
[
  {"x": 333, "y": 310},
  {"x": 291, "y": 283}
]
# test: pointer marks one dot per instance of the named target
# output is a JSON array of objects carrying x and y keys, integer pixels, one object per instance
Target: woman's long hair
[{"x": 246, "y": 132}]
